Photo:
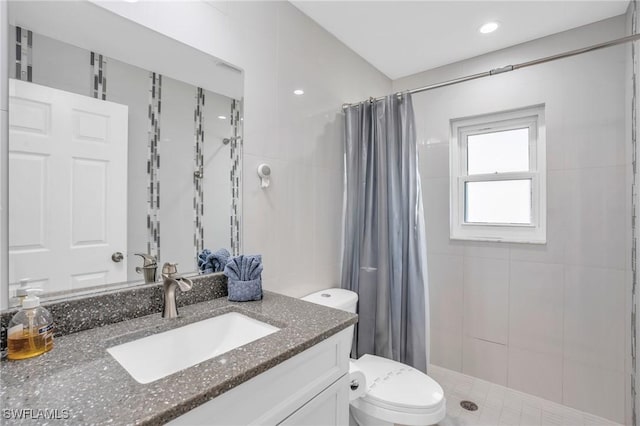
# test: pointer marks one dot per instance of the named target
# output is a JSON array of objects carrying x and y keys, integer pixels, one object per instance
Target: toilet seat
[{"x": 398, "y": 393}]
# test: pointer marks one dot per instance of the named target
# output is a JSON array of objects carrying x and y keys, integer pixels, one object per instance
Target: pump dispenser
[
  {"x": 31, "y": 329},
  {"x": 21, "y": 291}
]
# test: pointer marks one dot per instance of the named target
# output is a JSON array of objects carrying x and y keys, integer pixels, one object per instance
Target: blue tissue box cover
[{"x": 244, "y": 291}]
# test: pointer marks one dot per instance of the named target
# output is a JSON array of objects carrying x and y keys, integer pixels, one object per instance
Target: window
[{"x": 498, "y": 177}]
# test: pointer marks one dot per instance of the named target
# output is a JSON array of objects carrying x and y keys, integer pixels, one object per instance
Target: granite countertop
[{"x": 80, "y": 380}]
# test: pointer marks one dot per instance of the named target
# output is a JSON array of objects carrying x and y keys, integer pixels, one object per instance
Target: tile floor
[{"x": 499, "y": 405}]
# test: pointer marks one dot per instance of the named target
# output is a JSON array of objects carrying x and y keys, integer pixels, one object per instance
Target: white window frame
[{"x": 461, "y": 129}]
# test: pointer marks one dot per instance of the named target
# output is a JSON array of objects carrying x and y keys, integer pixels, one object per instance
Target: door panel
[{"x": 67, "y": 188}]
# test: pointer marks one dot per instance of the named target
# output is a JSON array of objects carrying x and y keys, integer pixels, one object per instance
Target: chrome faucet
[{"x": 172, "y": 280}]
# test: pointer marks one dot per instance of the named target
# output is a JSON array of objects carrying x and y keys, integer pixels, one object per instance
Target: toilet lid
[{"x": 391, "y": 384}]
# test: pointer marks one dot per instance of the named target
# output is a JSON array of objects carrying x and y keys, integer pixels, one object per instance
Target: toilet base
[
  {"x": 358, "y": 417},
  {"x": 363, "y": 419}
]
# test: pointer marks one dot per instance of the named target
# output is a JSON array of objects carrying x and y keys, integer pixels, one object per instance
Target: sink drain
[{"x": 469, "y": 405}]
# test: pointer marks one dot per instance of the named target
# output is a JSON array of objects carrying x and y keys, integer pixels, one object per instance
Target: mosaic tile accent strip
[
  {"x": 153, "y": 166},
  {"x": 634, "y": 213},
  {"x": 198, "y": 175},
  {"x": 236, "y": 176},
  {"x": 24, "y": 45},
  {"x": 98, "y": 76}
]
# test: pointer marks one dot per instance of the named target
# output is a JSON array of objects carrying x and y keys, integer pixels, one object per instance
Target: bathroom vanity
[{"x": 295, "y": 375}]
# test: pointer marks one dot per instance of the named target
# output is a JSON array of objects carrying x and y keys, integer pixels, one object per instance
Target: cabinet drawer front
[
  {"x": 272, "y": 396},
  {"x": 331, "y": 407}
]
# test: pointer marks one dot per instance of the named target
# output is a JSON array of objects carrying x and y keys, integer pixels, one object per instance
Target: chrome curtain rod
[{"x": 509, "y": 68}]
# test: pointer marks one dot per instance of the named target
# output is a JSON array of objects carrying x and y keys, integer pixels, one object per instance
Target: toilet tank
[{"x": 337, "y": 298}]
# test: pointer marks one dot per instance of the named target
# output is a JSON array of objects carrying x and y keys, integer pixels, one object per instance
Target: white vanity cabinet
[{"x": 311, "y": 388}]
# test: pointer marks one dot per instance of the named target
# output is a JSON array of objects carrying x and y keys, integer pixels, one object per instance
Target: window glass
[
  {"x": 498, "y": 201},
  {"x": 498, "y": 152}
]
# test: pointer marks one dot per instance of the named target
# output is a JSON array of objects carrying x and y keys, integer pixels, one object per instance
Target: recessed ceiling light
[
  {"x": 489, "y": 27},
  {"x": 222, "y": 117},
  {"x": 131, "y": 1},
  {"x": 298, "y": 92}
]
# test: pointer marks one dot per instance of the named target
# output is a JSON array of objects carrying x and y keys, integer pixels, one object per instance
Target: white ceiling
[{"x": 401, "y": 38}]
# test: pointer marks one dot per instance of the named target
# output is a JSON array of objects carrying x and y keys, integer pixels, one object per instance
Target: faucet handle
[
  {"x": 170, "y": 268},
  {"x": 147, "y": 259}
]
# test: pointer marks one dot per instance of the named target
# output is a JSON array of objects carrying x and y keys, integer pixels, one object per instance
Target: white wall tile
[
  {"x": 433, "y": 157},
  {"x": 445, "y": 292},
  {"x": 328, "y": 142},
  {"x": 296, "y": 216},
  {"x": 4, "y": 232},
  {"x": 446, "y": 306},
  {"x": 600, "y": 143},
  {"x": 554, "y": 250},
  {"x": 486, "y": 293},
  {"x": 556, "y": 133},
  {"x": 260, "y": 206},
  {"x": 435, "y": 194},
  {"x": 596, "y": 217},
  {"x": 594, "y": 315},
  {"x": 595, "y": 135},
  {"x": 446, "y": 349},
  {"x": 595, "y": 390},
  {"x": 4, "y": 62},
  {"x": 327, "y": 226},
  {"x": 628, "y": 400},
  {"x": 486, "y": 249},
  {"x": 536, "y": 373},
  {"x": 535, "y": 307},
  {"x": 485, "y": 360}
]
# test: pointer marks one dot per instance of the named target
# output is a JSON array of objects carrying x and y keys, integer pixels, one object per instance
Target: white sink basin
[{"x": 157, "y": 356}]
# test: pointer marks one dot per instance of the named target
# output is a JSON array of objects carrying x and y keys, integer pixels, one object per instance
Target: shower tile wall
[{"x": 550, "y": 320}]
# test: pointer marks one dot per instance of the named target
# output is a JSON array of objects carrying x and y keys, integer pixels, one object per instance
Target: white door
[{"x": 67, "y": 188}]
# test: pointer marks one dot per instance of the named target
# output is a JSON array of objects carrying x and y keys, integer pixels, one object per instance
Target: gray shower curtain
[{"x": 384, "y": 248}]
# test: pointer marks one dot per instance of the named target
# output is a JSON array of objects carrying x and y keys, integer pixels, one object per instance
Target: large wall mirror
[{"x": 123, "y": 144}]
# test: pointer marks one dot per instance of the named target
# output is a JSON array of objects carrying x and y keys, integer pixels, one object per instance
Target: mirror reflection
[{"x": 113, "y": 168}]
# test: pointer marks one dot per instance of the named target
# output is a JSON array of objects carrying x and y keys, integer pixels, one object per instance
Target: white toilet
[{"x": 396, "y": 393}]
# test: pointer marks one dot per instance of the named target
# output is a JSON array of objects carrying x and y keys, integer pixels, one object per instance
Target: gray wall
[{"x": 550, "y": 320}]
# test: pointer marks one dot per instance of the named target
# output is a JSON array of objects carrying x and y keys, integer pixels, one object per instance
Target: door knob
[{"x": 117, "y": 257}]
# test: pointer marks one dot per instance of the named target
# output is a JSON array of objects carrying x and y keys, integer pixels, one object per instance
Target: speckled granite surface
[
  {"x": 79, "y": 376},
  {"x": 73, "y": 314}
]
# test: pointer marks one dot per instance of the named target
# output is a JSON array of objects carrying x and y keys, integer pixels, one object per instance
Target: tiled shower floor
[{"x": 498, "y": 405}]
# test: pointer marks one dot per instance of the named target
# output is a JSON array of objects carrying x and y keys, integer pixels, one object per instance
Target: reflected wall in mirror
[{"x": 111, "y": 158}]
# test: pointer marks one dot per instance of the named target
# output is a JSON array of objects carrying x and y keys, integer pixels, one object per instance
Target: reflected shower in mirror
[{"x": 113, "y": 167}]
